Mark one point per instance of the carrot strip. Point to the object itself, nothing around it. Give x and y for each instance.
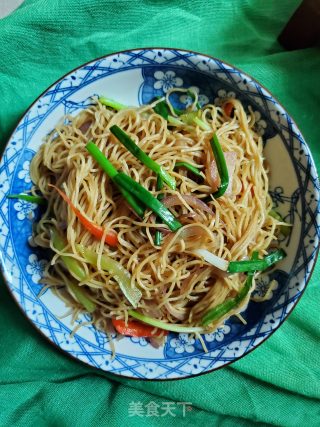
(228, 108)
(136, 329)
(97, 231)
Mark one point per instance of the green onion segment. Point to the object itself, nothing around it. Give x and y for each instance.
(221, 166)
(134, 149)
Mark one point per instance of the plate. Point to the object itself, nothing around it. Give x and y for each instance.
(135, 77)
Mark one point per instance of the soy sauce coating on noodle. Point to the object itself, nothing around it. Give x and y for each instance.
(176, 286)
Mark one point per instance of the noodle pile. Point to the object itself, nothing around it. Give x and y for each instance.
(177, 286)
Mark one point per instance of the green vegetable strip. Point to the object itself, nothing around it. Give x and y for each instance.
(111, 103)
(259, 265)
(189, 117)
(119, 273)
(146, 197)
(190, 167)
(177, 111)
(101, 159)
(174, 121)
(135, 189)
(158, 235)
(142, 156)
(202, 125)
(166, 326)
(73, 265)
(80, 295)
(28, 198)
(222, 309)
(111, 171)
(275, 215)
(159, 187)
(162, 109)
(221, 166)
(133, 202)
(192, 118)
(254, 257)
(284, 229)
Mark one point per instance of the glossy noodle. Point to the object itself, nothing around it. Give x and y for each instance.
(176, 285)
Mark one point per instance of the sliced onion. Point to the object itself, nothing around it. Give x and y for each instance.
(165, 231)
(212, 173)
(190, 216)
(85, 126)
(192, 201)
(195, 232)
(189, 233)
(212, 259)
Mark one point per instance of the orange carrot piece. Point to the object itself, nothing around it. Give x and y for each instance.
(228, 108)
(136, 329)
(97, 231)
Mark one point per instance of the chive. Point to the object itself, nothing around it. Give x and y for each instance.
(192, 168)
(101, 159)
(80, 295)
(142, 156)
(174, 121)
(186, 120)
(275, 215)
(221, 166)
(111, 103)
(111, 171)
(162, 109)
(72, 265)
(159, 185)
(222, 309)
(147, 198)
(166, 326)
(158, 234)
(185, 117)
(28, 198)
(254, 257)
(133, 202)
(260, 264)
(189, 117)
(158, 238)
(202, 124)
(284, 229)
(135, 189)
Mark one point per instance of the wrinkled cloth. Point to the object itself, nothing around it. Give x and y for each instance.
(276, 384)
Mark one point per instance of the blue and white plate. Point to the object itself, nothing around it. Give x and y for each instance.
(136, 77)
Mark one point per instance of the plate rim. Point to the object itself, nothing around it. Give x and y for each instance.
(316, 176)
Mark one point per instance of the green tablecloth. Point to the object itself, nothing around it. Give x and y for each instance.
(279, 383)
